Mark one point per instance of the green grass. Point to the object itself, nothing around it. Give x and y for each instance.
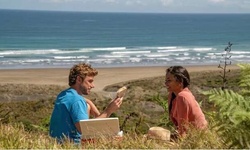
(25, 111)
(15, 137)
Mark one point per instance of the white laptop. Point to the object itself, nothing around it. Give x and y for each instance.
(101, 127)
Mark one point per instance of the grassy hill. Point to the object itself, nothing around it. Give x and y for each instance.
(25, 111)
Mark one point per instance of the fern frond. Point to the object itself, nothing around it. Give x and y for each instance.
(242, 116)
(245, 81)
(226, 100)
(232, 118)
(243, 66)
(244, 75)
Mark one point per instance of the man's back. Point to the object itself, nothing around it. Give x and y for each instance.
(69, 108)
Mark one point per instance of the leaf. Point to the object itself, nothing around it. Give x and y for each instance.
(232, 118)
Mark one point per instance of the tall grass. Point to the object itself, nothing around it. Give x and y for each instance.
(201, 139)
(31, 131)
(15, 137)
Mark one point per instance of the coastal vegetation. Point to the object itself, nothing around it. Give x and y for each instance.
(25, 111)
(224, 64)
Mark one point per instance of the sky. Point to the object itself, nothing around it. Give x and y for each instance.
(141, 6)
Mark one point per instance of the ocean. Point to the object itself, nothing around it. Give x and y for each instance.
(50, 39)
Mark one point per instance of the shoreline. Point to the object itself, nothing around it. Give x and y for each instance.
(105, 77)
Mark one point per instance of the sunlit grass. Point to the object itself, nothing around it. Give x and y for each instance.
(15, 137)
(24, 123)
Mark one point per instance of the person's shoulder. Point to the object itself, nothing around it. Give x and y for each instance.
(185, 93)
(71, 94)
(65, 90)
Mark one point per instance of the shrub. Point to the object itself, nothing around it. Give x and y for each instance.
(232, 117)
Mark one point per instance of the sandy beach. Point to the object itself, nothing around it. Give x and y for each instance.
(106, 76)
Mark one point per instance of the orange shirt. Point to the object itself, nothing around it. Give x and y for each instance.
(185, 109)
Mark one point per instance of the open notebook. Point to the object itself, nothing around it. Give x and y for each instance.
(101, 127)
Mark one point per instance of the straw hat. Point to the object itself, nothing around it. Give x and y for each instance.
(159, 133)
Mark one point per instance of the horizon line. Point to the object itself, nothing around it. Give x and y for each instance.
(123, 12)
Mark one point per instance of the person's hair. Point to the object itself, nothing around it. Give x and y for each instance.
(181, 74)
(82, 70)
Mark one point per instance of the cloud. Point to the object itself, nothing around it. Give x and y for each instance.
(57, 1)
(166, 2)
(216, 1)
(135, 2)
(111, 1)
(169, 6)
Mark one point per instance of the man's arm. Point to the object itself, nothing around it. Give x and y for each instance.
(112, 107)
